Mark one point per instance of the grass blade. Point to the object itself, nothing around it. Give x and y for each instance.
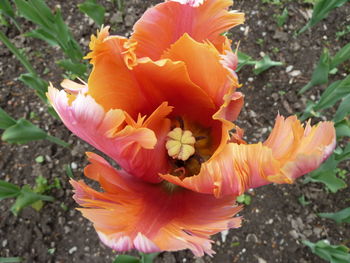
(320, 74)
(321, 11)
(336, 91)
(341, 56)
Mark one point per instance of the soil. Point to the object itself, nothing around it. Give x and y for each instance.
(274, 223)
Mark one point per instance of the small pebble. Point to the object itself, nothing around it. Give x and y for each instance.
(4, 243)
(289, 68)
(72, 250)
(74, 165)
(295, 73)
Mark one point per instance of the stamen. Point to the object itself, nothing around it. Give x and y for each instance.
(180, 144)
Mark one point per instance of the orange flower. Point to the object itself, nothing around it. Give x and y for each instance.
(162, 105)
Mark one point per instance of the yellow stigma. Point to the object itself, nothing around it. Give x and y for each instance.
(180, 144)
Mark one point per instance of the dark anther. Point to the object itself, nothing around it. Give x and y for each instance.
(198, 138)
(198, 158)
(181, 122)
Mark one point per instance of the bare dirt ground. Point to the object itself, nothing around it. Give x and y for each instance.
(274, 223)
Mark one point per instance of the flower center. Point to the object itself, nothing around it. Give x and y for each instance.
(180, 144)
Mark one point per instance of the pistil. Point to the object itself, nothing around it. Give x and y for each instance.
(180, 144)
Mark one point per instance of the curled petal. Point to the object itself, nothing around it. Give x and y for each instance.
(202, 20)
(115, 134)
(111, 83)
(204, 67)
(142, 85)
(73, 87)
(290, 152)
(166, 80)
(299, 149)
(133, 214)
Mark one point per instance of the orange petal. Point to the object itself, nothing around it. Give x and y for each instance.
(204, 67)
(132, 214)
(113, 133)
(165, 80)
(163, 24)
(290, 152)
(301, 150)
(142, 85)
(111, 83)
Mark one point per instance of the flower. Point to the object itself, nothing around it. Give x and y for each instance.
(162, 104)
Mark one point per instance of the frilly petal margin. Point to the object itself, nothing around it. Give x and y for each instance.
(290, 152)
(116, 134)
(162, 25)
(133, 214)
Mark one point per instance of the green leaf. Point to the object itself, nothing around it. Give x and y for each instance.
(343, 154)
(336, 91)
(76, 68)
(8, 190)
(10, 260)
(6, 120)
(264, 64)
(331, 253)
(341, 56)
(42, 34)
(6, 8)
(343, 109)
(39, 159)
(303, 201)
(34, 82)
(126, 259)
(326, 174)
(321, 10)
(22, 132)
(93, 10)
(243, 60)
(342, 128)
(26, 198)
(68, 170)
(36, 11)
(320, 73)
(244, 199)
(282, 19)
(343, 216)
(148, 258)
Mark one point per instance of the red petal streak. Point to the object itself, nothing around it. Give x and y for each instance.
(134, 214)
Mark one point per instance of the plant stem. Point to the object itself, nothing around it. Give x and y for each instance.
(57, 141)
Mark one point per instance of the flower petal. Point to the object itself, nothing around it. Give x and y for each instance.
(116, 134)
(111, 83)
(163, 24)
(151, 217)
(204, 67)
(141, 85)
(290, 152)
(165, 80)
